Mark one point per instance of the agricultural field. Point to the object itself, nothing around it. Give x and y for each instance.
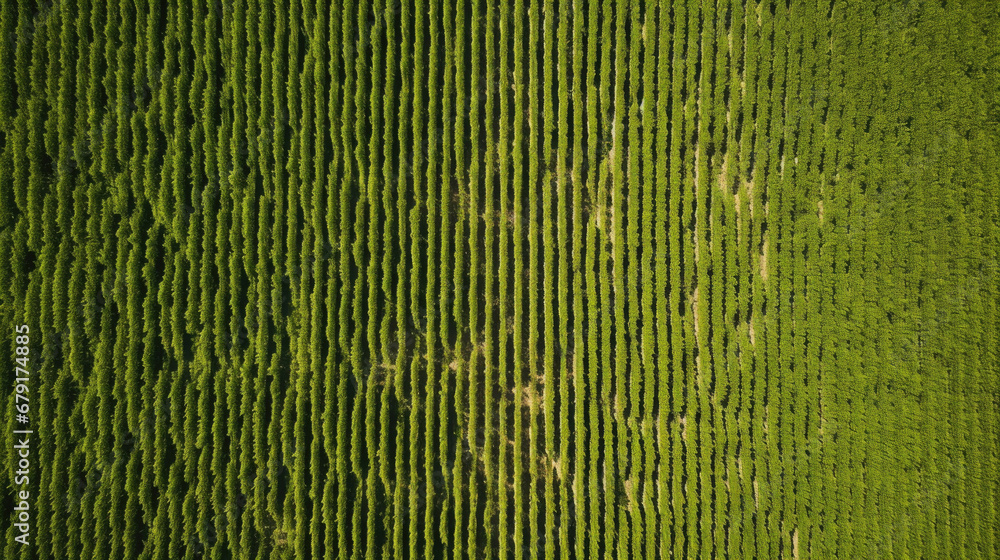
(537, 280)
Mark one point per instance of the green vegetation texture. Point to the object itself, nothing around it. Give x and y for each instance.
(536, 279)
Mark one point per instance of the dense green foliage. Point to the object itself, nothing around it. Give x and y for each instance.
(533, 279)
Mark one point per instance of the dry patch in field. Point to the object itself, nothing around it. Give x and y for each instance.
(763, 261)
(528, 397)
(695, 299)
(724, 177)
(749, 186)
